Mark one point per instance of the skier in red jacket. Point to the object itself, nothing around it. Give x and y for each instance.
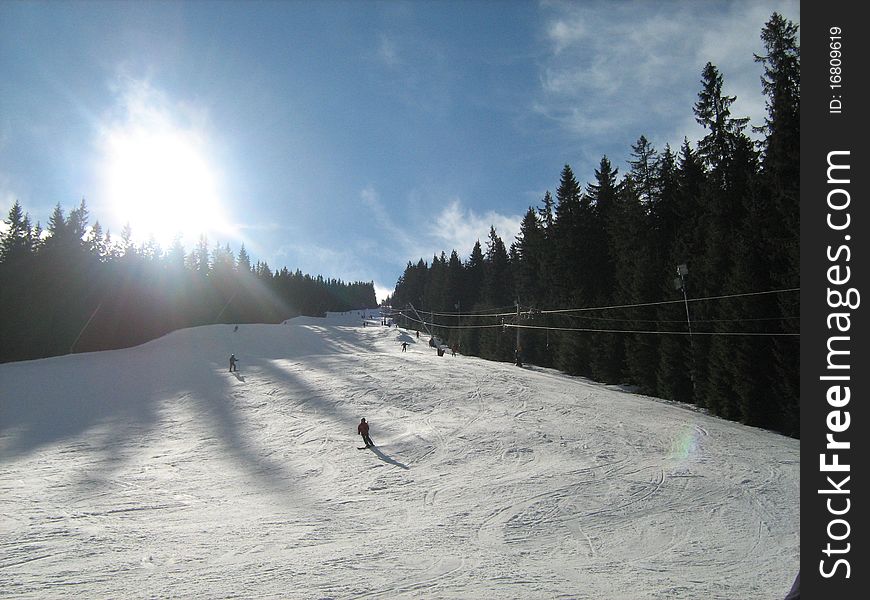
(363, 430)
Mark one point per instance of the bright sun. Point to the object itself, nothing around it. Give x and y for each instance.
(159, 180)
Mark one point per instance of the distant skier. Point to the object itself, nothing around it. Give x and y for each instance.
(233, 361)
(518, 355)
(404, 346)
(363, 430)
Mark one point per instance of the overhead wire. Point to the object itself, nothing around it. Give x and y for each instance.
(531, 312)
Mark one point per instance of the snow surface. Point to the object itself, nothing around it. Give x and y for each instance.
(153, 472)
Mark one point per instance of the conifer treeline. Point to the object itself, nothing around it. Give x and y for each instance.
(726, 208)
(72, 289)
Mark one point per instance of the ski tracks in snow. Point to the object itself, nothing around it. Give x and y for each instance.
(488, 481)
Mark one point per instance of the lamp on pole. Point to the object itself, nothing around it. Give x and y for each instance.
(680, 284)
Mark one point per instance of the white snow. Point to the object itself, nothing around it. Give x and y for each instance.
(153, 472)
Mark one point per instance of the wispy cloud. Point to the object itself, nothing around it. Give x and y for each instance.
(400, 239)
(7, 197)
(415, 69)
(613, 67)
(453, 226)
(457, 227)
(388, 51)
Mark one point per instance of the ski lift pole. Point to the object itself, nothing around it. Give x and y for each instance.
(421, 319)
(680, 282)
(518, 351)
(683, 270)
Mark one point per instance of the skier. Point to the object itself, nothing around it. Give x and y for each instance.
(518, 355)
(233, 361)
(404, 346)
(795, 592)
(363, 430)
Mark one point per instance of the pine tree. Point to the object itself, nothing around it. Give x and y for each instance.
(683, 359)
(128, 248)
(96, 242)
(57, 228)
(497, 288)
(713, 112)
(546, 211)
(547, 295)
(607, 352)
(568, 270)
(15, 242)
(638, 273)
(434, 292)
(474, 277)
(454, 281)
(733, 166)
(781, 180)
(529, 249)
(243, 263)
(77, 224)
(199, 258)
(174, 257)
(644, 170)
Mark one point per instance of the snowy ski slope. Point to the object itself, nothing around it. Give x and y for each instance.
(153, 472)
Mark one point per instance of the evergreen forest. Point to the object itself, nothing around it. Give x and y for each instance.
(72, 288)
(679, 277)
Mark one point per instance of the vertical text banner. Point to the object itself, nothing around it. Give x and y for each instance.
(834, 261)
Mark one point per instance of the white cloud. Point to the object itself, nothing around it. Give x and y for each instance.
(632, 68)
(451, 226)
(382, 292)
(458, 228)
(388, 51)
(564, 34)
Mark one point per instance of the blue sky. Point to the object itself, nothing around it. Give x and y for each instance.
(347, 138)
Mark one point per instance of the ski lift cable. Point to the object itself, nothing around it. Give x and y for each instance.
(591, 330)
(533, 311)
(731, 333)
(567, 310)
(632, 320)
(433, 324)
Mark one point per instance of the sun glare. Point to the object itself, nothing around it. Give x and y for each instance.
(159, 180)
